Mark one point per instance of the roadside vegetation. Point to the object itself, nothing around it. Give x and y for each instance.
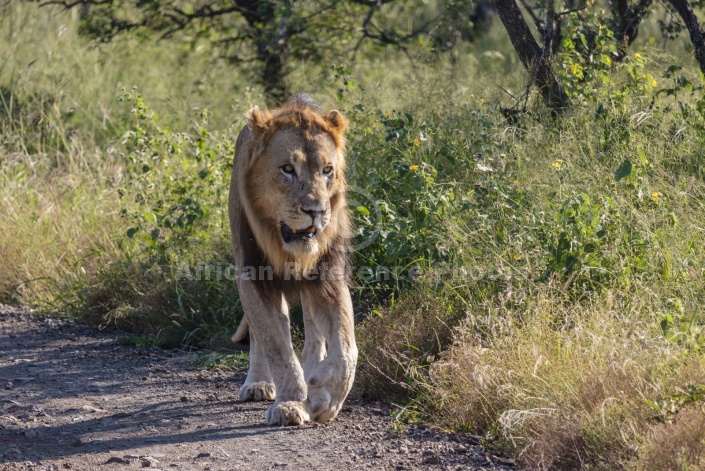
(531, 278)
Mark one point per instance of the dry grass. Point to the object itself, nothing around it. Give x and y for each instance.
(561, 385)
(56, 225)
(399, 342)
(676, 446)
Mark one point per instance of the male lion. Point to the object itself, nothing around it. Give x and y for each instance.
(290, 225)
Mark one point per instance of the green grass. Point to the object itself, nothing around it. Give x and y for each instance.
(557, 312)
(233, 361)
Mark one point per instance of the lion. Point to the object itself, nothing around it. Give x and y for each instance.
(291, 229)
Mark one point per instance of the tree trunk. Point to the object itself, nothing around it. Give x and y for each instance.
(628, 23)
(696, 32)
(532, 56)
(271, 43)
(273, 73)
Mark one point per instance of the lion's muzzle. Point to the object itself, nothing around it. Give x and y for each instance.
(290, 235)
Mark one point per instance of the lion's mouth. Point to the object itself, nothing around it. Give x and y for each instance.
(290, 235)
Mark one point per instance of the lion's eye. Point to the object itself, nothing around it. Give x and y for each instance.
(288, 169)
(327, 169)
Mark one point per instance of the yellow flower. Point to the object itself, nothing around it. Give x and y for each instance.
(417, 142)
(654, 83)
(414, 167)
(517, 256)
(558, 164)
(482, 100)
(637, 56)
(576, 69)
(655, 195)
(516, 182)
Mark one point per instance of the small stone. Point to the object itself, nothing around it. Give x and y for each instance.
(13, 454)
(31, 433)
(460, 449)
(184, 399)
(148, 461)
(203, 455)
(507, 461)
(118, 460)
(431, 457)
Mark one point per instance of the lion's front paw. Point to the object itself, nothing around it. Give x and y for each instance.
(321, 406)
(259, 391)
(287, 413)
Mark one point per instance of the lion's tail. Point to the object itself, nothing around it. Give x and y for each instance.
(240, 332)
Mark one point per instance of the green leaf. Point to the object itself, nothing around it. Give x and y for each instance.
(151, 217)
(362, 210)
(624, 170)
(653, 405)
(642, 156)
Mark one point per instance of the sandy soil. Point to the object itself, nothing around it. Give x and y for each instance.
(71, 398)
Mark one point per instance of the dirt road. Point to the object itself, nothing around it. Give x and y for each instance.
(72, 399)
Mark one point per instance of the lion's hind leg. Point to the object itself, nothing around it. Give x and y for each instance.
(259, 385)
(315, 349)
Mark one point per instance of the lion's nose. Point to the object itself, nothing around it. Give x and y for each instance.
(314, 213)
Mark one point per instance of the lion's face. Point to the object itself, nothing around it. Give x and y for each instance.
(291, 178)
(302, 180)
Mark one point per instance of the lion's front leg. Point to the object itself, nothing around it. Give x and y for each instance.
(330, 364)
(269, 325)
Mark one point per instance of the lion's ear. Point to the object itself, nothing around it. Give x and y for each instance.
(259, 120)
(259, 124)
(336, 121)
